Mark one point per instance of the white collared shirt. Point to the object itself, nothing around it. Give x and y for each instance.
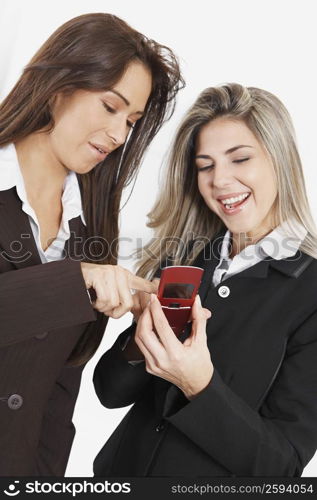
(282, 242)
(11, 176)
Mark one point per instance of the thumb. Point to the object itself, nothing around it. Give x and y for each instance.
(200, 316)
(198, 310)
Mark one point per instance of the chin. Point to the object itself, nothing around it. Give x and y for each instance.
(240, 228)
(84, 169)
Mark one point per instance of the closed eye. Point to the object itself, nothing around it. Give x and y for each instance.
(108, 108)
(113, 111)
(205, 169)
(241, 160)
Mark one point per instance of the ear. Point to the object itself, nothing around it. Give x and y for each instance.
(57, 102)
(54, 102)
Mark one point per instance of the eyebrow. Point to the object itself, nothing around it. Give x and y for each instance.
(125, 100)
(231, 150)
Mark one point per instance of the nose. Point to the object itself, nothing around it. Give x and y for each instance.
(117, 131)
(222, 175)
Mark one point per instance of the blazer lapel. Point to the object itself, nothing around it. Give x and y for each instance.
(16, 237)
(74, 246)
(292, 266)
(17, 244)
(209, 258)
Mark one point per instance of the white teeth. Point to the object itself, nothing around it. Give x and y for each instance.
(229, 201)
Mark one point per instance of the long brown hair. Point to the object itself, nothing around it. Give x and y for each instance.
(92, 52)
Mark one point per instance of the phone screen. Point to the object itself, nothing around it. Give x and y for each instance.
(178, 290)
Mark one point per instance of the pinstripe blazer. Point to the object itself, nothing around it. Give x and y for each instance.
(44, 311)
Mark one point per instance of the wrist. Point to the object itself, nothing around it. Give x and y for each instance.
(194, 389)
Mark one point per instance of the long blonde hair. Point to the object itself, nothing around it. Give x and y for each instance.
(180, 213)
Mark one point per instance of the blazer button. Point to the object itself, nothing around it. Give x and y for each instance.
(41, 336)
(15, 401)
(224, 291)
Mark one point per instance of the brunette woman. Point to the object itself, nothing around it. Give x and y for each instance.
(73, 132)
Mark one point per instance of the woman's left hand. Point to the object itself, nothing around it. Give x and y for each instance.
(186, 365)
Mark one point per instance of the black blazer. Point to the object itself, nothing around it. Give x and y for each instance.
(44, 311)
(258, 415)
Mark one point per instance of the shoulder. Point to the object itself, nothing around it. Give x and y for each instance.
(311, 268)
(301, 291)
(298, 266)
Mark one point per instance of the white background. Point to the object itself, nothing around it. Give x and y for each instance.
(269, 44)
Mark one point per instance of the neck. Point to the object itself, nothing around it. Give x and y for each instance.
(43, 174)
(239, 241)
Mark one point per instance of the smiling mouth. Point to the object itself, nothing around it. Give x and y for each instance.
(230, 203)
(99, 149)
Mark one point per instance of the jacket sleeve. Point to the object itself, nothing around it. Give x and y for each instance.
(42, 297)
(117, 382)
(277, 440)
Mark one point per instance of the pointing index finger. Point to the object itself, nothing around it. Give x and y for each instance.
(141, 284)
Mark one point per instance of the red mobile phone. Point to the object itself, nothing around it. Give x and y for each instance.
(177, 291)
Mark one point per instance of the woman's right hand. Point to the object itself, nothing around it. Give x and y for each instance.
(112, 285)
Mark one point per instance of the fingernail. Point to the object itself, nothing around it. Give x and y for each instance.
(153, 297)
(198, 299)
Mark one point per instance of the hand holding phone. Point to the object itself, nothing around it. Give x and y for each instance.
(177, 291)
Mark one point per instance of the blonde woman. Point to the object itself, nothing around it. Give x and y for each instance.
(238, 396)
